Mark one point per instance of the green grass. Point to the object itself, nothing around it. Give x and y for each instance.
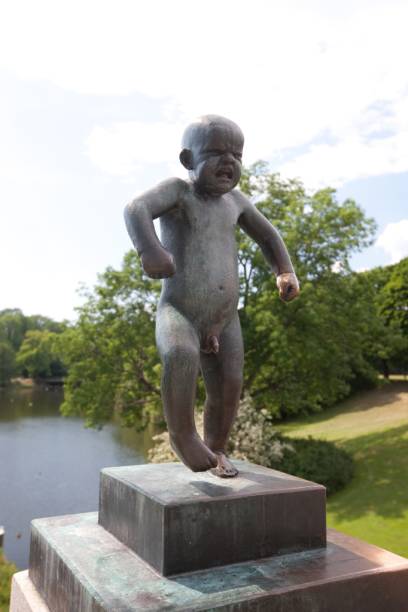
(373, 427)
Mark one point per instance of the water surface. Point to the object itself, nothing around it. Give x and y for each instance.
(49, 465)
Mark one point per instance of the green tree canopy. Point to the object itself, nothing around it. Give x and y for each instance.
(305, 355)
(390, 296)
(13, 326)
(7, 362)
(394, 297)
(110, 353)
(38, 355)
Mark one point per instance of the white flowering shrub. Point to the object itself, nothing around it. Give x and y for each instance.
(253, 438)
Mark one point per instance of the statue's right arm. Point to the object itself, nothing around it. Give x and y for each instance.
(139, 216)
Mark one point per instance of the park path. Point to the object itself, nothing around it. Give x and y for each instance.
(364, 413)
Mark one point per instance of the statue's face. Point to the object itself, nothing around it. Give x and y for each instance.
(216, 160)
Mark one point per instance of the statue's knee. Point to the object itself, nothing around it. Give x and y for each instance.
(181, 354)
(235, 381)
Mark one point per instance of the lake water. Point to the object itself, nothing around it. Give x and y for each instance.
(49, 465)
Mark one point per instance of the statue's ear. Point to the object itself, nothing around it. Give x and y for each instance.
(186, 158)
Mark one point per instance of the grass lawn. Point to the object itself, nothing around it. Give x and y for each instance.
(373, 426)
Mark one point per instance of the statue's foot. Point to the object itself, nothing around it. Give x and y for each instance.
(224, 469)
(193, 452)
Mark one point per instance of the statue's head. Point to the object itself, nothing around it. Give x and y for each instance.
(212, 153)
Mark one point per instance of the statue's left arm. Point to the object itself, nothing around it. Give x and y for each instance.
(273, 248)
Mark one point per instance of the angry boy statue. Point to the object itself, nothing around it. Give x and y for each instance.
(197, 325)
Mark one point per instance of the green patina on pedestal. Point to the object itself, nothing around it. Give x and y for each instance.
(178, 521)
(82, 567)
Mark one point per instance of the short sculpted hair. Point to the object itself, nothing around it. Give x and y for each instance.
(203, 124)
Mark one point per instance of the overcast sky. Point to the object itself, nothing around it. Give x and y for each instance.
(94, 97)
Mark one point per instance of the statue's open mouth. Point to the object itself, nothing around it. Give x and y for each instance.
(226, 173)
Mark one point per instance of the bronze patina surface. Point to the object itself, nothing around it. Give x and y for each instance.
(197, 325)
(178, 521)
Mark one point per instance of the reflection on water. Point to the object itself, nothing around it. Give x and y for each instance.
(50, 465)
(21, 402)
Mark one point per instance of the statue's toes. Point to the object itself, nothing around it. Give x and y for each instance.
(224, 469)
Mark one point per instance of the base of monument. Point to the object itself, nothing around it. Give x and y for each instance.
(24, 595)
(86, 568)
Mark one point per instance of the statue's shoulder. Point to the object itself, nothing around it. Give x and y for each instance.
(175, 190)
(175, 184)
(240, 199)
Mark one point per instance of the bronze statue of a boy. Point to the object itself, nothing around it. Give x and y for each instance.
(197, 325)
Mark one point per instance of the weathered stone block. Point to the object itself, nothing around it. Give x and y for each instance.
(77, 566)
(24, 595)
(179, 521)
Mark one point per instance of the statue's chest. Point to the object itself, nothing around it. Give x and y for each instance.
(215, 218)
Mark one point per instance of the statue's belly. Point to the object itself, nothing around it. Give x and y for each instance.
(206, 292)
(205, 287)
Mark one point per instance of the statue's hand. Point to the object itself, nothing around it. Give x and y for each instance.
(158, 263)
(288, 286)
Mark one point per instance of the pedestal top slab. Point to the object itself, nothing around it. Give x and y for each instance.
(173, 483)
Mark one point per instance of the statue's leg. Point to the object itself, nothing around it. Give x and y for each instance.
(179, 349)
(222, 374)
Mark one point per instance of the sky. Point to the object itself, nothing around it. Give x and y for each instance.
(94, 97)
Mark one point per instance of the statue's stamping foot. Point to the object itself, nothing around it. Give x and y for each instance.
(224, 469)
(193, 452)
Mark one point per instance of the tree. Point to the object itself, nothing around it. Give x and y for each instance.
(13, 326)
(300, 357)
(38, 355)
(390, 296)
(110, 353)
(303, 356)
(7, 362)
(394, 298)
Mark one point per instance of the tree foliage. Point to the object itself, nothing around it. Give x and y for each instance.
(110, 353)
(394, 297)
(13, 326)
(389, 294)
(38, 356)
(26, 346)
(7, 362)
(303, 356)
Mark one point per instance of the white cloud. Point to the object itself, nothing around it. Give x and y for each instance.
(350, 158)
(286, 71)
(394, 240)
(122, 148)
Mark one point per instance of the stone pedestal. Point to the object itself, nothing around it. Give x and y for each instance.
(180, 522)
(87, 562)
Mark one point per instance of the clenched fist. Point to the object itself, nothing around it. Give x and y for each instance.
(288, 286)
(158, 263)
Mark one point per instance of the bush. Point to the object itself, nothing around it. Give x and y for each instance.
(255, 439)
(319, 461)
(252, 438)
(6, 572)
